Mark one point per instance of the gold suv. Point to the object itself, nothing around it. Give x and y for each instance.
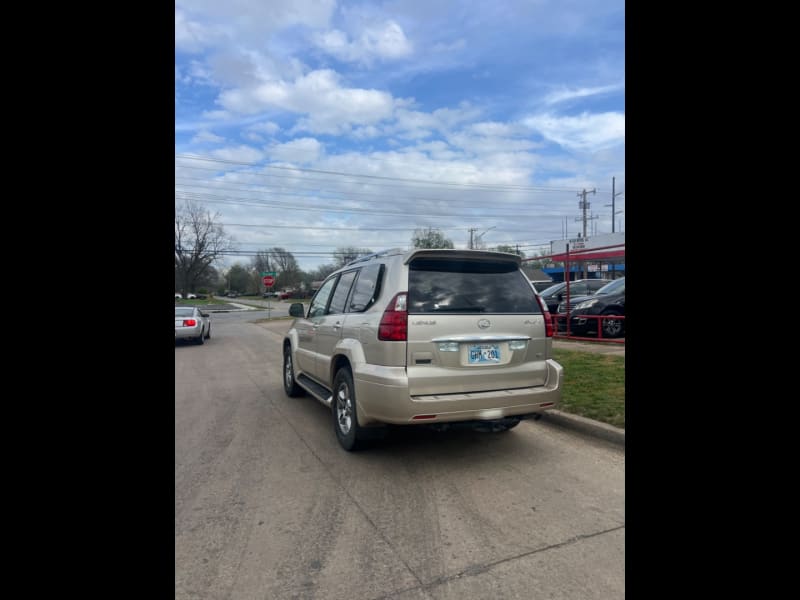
(424, 337)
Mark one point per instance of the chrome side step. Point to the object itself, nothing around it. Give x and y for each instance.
(320, 392)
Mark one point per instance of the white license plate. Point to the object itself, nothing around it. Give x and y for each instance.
(484, 353)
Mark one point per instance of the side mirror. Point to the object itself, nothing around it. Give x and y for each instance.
(560, 296)
(202, 314)
(296, 310)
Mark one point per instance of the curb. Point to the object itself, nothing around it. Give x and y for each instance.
(587, 426)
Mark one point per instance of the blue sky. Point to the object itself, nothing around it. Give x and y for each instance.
(318, 124)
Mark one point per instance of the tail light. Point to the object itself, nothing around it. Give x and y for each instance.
(548, 319)
(394, 322)
(189, 322)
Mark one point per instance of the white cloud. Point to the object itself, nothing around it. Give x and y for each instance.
(252, 136)
(251, 21)
(492, 128)
(563, 94)
(584, 132)
(206, 136)
(330, 108)
(246, 154)
(218, 115)
(300, 150)
(385, 41)
(191, 36)
(267, 127)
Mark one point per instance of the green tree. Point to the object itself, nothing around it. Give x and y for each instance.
(430, 238)
(239, 278)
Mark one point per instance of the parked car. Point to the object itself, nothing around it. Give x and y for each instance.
(557, 293)
(191, 323)
(270, 294)
(233, 294)
(284, 295)
(540, 286)
(191, 296)
(423, 337)
(178, 297)
(608, 301)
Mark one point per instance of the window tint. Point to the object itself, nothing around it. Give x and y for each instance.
(463, 286)
(367, 287)
(341, 292)
(184, 312)
(320, 300)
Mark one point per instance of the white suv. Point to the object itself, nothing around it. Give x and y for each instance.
(424, 337)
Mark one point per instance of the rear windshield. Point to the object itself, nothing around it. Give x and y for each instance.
(184, 312)
(464, 286)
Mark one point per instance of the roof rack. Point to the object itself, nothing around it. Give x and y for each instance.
(375, 255)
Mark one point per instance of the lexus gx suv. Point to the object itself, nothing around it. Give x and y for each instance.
(424, 337)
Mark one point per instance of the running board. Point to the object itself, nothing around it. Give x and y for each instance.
(320, 392)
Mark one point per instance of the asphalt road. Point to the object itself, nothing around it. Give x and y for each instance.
(267, 505)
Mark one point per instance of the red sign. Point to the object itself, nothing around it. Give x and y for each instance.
(269, 280)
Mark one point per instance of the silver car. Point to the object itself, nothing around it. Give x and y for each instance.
(424, 337)
(192, 324)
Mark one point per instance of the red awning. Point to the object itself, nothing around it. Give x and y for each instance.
(584, 256)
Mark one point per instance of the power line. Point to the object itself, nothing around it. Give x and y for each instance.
(380, 177)
(366, 211)
(248, 187)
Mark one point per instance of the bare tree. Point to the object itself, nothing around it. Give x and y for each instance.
(430, 238)
(262, 263)
(286, 265)
(511, 250)
(344, 255)
(199, 242)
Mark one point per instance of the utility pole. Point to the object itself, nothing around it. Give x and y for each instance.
(613, 202)
(477, 237)
(585, 205)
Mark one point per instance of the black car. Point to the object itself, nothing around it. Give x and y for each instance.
(608, 301)
(557, 293)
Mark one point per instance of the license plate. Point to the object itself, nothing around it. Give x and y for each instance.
(484, 353)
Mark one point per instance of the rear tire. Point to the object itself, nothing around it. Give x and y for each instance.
(208, 335)
(289, 383)
(345, 416)
(201, 339)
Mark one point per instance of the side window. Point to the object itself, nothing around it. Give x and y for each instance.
(320, 301)
(367, 288)
(341, 292)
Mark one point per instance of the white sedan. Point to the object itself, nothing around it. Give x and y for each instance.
(192, 324)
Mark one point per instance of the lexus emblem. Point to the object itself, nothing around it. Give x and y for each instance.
(484, 323)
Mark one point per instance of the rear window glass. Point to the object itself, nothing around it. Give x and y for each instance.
(184, 312)
(463, 286)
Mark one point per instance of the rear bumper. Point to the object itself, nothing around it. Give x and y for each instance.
(182, 333)
(382, 396)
